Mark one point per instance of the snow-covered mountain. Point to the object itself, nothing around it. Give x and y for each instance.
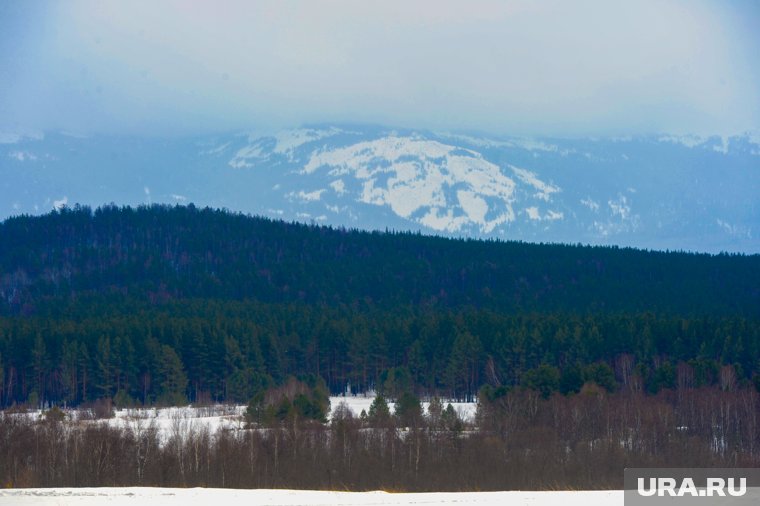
(660, 192)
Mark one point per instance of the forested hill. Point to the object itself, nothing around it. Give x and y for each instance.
(169, 304)
(161, 253)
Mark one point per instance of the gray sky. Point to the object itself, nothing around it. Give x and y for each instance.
(551, 67)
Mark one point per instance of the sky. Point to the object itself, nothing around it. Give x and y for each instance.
(551, 67)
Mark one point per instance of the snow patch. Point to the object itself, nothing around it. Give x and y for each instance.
(216, 150)
(411, 174)
(690, 141)
(520, 142)
(474, 206)
(358, 403)
(242, 158)
(158, 496)
(306, 197)
(443, 219)
(544, 189)
(620, 207)
(722, 147)
(591, 204)
(283, 143)
(288, 140)
(339, 186)
(535, 215)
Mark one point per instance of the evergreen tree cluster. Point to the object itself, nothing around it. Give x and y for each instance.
(167, 305)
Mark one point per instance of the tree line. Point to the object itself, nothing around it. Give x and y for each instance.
(520, 439)
(162, 253)
(166, 305)
(228, 351)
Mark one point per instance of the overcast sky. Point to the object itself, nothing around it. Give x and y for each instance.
(511, 67)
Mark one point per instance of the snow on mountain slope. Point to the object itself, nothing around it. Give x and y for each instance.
(440, 186)
(443, 187)
(660, 192)
(282, 143)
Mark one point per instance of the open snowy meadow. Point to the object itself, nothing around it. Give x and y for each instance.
(203, 496)
(180, 420)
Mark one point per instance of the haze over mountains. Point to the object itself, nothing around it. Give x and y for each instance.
(657, 192)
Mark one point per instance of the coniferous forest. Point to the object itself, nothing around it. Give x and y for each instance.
(163, 305)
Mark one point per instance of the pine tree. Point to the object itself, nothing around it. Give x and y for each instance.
(172, 378)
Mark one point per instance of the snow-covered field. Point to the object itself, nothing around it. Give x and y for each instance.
(357, 403)
(203, 496)
(180, 420)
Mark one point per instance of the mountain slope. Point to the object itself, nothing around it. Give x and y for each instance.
(661, 192)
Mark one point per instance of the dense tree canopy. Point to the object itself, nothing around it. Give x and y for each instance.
(167, 304)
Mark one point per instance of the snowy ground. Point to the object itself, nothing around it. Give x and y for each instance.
(203, 496)
(357, 403)
(179, 420)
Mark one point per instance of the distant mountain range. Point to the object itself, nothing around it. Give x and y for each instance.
(656, 192)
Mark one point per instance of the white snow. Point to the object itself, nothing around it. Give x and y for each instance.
(443, 219)
(544, 189)
(339, 186)
(216, 150)
(285, 143)
(723, 146)
(242, 157)
(534, 145)
(57, 204)
(130, 496)
(357, 403)
(410, 174)
(620, 207)
(289, 140)
(474, 206)
(306, 196)
(179, 420)
(690, 141)
(535, 215)
(591, 204)
(525, 143)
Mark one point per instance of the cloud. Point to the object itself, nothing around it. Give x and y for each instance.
(520, 67)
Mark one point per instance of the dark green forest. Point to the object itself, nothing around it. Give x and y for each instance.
(167, 305)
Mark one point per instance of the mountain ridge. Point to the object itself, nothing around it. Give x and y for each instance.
(655, 192)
